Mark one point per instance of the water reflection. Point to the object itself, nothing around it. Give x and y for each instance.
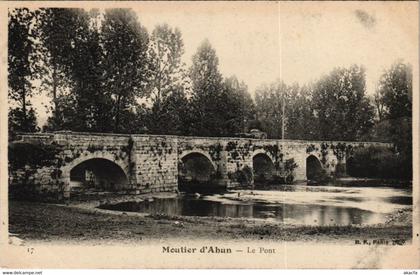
(288, 213)
(301, 205)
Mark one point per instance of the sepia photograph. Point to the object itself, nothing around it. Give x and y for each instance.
(238, 134)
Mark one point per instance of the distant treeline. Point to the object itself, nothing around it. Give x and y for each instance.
(104, 72)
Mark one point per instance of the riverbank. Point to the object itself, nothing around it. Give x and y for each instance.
(80, 222)
(365, 182)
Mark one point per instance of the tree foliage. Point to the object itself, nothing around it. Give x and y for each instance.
(340, 105)
(73, 70)
(168, 81)
(299, 121)
(394, 94)
(269, 100)
(237, 107)
(21, 69)
(125, 43)
(219, 107)
(105, 73)
(206, 92)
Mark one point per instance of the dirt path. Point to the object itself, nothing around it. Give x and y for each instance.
(33, 221)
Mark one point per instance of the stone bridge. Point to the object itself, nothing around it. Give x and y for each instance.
(137, 164)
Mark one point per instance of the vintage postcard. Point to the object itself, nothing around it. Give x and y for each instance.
(209, 134)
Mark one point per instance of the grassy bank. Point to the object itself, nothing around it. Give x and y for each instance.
(49, 222)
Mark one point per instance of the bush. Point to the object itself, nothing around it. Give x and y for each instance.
(32, 154)
(243, 176)
(376, 162)
(340, 170)
(321, 177)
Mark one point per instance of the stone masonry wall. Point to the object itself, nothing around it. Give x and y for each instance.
(233, 157)
(151, 162)
(154, 164)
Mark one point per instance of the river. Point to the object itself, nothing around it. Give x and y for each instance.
(300, 205)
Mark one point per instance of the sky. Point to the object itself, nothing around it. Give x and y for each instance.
(260, 42)
(294, 41)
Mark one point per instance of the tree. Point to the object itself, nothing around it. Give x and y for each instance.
(125, 44)
(301, 122)
(341, 106)
(20, 122)
(298, 119)
(174, 114)
(94, 101)
(269, 100)
(73, 70)
(395, 94)
(236, 106)
(59, 28)
(167, 82)
(206, 92)
(21, 48)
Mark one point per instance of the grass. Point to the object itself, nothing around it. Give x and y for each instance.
(49, 222)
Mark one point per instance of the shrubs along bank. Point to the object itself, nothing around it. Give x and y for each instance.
(370, 166)
(374, 162)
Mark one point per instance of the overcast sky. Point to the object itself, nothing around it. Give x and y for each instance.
(296, 42)
(260, 42)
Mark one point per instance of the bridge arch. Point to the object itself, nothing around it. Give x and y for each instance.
(197, 152)
(98, 170)
(196, 172)
(263, 166)
(313, 167)
(264, 152)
